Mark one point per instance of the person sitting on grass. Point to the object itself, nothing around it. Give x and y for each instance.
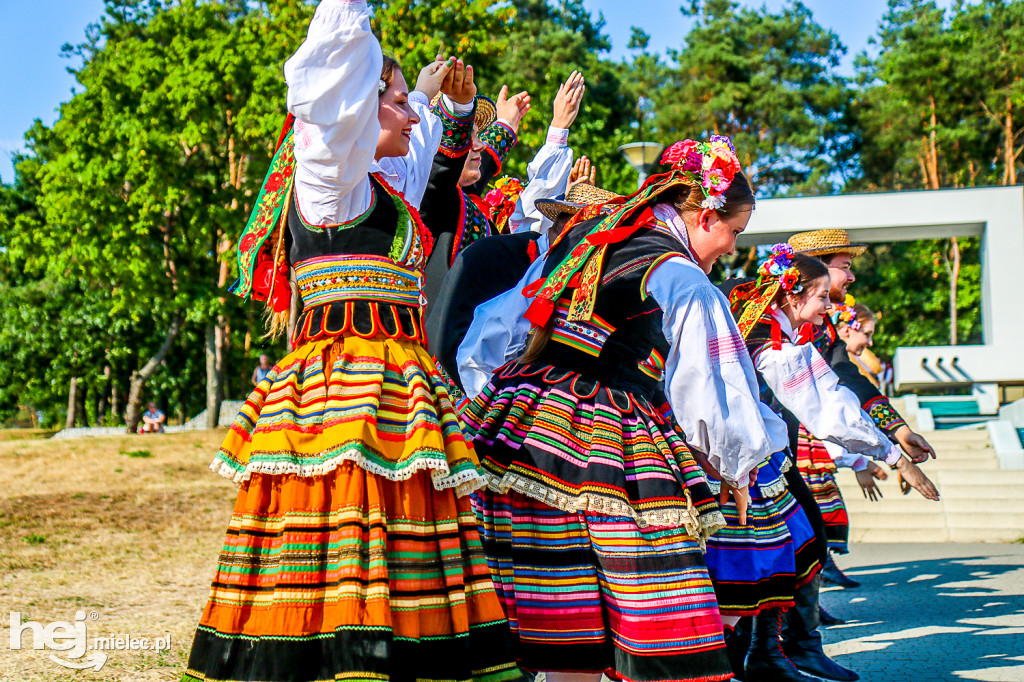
(153, 420)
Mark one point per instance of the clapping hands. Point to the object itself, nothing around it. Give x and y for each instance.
(568, 100)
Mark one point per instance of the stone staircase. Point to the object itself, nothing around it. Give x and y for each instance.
(979, 501)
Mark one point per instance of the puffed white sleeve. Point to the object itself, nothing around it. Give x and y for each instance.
(806, 386)
(497, 334)
(845, 459)
(709, 377)
(547, 177)
(332, 92)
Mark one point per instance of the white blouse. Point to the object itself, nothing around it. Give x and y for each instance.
(709, 377)
(806, 386)
(547, 175)
(332, 91)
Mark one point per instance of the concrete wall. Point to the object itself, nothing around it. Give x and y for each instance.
(994, 213)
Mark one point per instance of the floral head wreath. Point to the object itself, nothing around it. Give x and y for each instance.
(752, 299)
(844, 313)
(502, 200)
(710, 165)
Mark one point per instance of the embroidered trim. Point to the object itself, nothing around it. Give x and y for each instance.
(457, 135)
(661, 259)
(304, 331)
(588, 337)
(266, 212)
(653, 366)
(498, 141)
(330, 279)
(884, 414)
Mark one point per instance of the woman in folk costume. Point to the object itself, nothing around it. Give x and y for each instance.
(818, 461)
(596, 510)
(352, 552)
(775, 313)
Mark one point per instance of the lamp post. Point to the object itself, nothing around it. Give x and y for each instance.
(642, 156)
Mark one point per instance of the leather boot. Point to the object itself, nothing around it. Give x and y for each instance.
(765, 660)
(802, 641)
(827, 618)
(737, 641)
(831, 575)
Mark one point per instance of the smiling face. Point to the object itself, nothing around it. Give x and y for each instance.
(713, 235)
(841, 276)
(857, 340)
(396, 119)
(471, 171)
(811, 304)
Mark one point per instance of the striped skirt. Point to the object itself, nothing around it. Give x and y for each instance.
(593, 521)
(818, 471)
(760, 565)
(353, 551)
(586, 592)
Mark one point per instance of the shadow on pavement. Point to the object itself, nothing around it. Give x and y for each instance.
(938, 619)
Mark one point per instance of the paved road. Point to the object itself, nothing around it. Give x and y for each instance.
(931, 612)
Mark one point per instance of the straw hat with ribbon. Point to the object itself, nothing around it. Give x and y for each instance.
(577, 198)
(825, 243)
(751, 299)
(711, 166)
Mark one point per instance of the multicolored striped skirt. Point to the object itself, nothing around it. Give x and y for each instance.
(819, 472)
(760, 565)
(353, 552)
(593, 522)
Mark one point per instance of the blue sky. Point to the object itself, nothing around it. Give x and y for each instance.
(34, 78)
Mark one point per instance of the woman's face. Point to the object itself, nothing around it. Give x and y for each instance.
(713, 235)
(396, 119)
(812, 304)
(858, 339)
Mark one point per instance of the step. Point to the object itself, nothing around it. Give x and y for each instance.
(887, 535)
(985, 535)
(978, 477)
(971, 505)
(993, 492)
(990, 520)
(882, 520)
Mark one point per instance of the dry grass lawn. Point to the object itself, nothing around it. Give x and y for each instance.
(94, 525)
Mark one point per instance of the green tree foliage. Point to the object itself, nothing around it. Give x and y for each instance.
(117, 237)
(769, 81)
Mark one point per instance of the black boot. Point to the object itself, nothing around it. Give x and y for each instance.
(737, 641)
(765, 660)
(833, 576)
(827, 618)
(803, 641)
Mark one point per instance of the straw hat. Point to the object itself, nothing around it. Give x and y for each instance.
(486, 111)
(825, 242)
(579, 196)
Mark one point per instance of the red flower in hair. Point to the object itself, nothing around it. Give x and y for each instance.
(678, 151)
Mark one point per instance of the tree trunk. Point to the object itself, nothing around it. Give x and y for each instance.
(108, 387)
(69, 423)
(954, 277)
(115, 402)
(139, 378)
(933, 150)
(213, 375)
(1010, 173)
(82, 414)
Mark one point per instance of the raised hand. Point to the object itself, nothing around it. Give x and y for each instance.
(582, 173)
(433, 75)
(512, 109)
(459, 86)
(568, 100)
